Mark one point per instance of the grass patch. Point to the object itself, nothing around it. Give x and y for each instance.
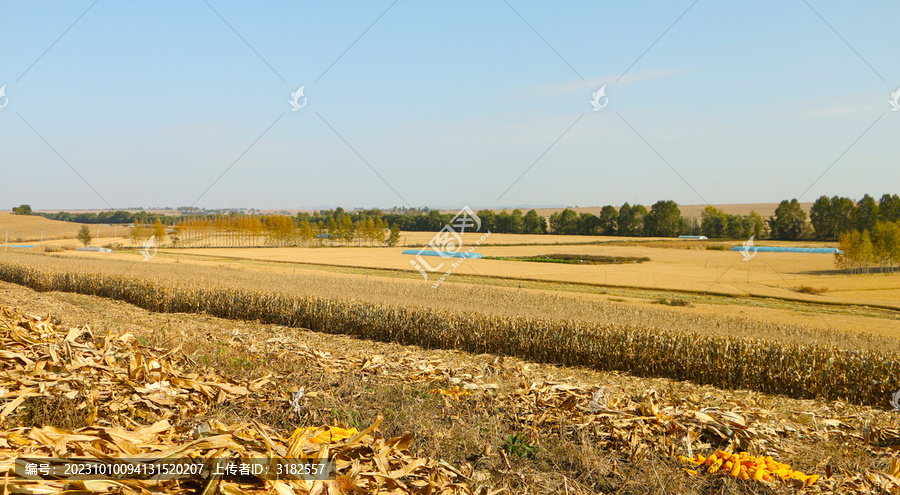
(573, 259)
(517, 445)
(674, 302)
(716, 248)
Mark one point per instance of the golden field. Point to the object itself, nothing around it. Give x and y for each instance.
(692, 270)
(27, 228)
(717, 282)
(24, 228)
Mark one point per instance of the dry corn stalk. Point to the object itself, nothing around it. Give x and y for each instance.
(123, 384)
(865, 377)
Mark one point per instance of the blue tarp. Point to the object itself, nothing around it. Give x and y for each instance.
(22, 246)
(776, 249)
(442, 254)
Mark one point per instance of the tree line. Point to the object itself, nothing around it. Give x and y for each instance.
(118, 216)
(867, 251)
(662, 220)
(268, 231)
(831, 217)
(828, 219)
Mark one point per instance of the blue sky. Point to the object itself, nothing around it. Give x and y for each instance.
(445, 103)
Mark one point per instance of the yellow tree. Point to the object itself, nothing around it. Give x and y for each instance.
(137, 233)
(305, 232)
(370, 230)
(348, 230)
(378, 234)
(159, 231)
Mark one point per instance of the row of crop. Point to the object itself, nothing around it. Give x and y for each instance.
(796, 370)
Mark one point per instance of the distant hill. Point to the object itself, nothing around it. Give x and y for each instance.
(28, 228)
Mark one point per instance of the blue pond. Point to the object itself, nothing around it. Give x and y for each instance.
(776, 249)
(22, 245)
(442, 254)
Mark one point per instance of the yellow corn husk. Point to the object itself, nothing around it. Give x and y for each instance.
(332, 434)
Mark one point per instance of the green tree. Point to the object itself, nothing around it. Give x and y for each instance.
(866, 213)
(565, 222)
(820, 215)
(609, 219)
(888, 208)
(664, 219)
(631, 220)
(624, 220)
(395, 236)
(756, 224)
(713, 222)
(488, 220)
(588, 224)
(516, 222)
(734, 227)
(504, 223)
(84, 235)
(639, 213)
(532, 223)
(22, 210)
(843, 215)
(788, 221)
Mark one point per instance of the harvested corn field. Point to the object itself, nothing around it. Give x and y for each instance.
(589, 432)
(140, 405)
(866, 377)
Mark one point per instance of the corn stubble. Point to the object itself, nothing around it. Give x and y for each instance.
(807, 371)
